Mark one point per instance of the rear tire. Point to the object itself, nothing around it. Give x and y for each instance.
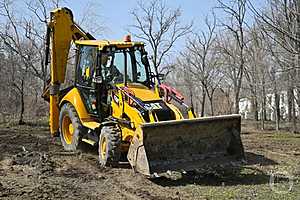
(109, 146)
(70, 127)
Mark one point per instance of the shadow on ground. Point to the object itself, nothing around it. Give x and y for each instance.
(212, 179)
(257, 159)
(237, 175)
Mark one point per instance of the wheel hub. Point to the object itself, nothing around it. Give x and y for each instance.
(103, 148)
(67, 129)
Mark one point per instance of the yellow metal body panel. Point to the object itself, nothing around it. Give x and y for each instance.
(74, 98)
(122, 108)
(106, 43)
(54, 115)
(134, 116)
(144, 93)
(91, 124)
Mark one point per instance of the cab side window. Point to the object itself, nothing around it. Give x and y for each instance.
(86, 65)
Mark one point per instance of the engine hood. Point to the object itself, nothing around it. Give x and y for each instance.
(142, 92)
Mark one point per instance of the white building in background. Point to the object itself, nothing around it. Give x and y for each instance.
(246, 107)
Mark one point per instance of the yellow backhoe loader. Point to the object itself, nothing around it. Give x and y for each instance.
(120, 106)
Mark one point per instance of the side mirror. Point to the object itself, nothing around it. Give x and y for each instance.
(145, 60)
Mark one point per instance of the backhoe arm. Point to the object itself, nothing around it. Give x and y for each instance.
(61, 31)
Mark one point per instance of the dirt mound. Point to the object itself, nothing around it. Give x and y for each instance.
(37, 160)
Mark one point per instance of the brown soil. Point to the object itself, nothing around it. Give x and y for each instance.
(33, 166)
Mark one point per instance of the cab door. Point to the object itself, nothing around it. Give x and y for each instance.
(85, 72)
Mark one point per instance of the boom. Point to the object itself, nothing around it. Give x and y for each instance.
(61, 31)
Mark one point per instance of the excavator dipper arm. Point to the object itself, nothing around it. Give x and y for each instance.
(61, 31)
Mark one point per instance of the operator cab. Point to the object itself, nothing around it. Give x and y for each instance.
(103, 65)
(112, 62)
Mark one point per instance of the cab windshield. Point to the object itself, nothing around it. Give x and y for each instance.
(124, 61)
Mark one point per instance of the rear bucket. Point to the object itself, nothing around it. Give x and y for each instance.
(187, 144)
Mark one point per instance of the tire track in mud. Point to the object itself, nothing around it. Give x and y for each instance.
(123, 181)
(135, 186)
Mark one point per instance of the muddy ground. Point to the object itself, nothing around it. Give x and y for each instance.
(33, 166)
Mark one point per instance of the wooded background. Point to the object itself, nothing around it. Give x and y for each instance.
(248, 53)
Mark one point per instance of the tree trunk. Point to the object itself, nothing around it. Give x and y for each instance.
(211, 106)
(293, 110)
(263, 106)
(191, 97)
(196, 108)
(277, 110)
(210, 98)
(236, 101)
(294, 123)
(203, 103)
(289, 96)
(291, 102)
(262, 114)
(229, 104)
(21, 120)
(254, 108)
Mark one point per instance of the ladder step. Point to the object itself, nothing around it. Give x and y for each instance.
(91, 142)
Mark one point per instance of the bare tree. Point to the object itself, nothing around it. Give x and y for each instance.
(236, 11)
(281, 23)
(30, 31)
(205, 62)
(159, 26)
(260, 76)
(91, 19)
(11, 36)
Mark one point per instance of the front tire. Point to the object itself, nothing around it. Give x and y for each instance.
(70, 127)
(109, 146)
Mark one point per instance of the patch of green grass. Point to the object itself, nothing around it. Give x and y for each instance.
(244, 189)
(286, 137)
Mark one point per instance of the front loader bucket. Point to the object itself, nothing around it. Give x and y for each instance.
(186, 144)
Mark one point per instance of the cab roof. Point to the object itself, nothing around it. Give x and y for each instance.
(107, 43)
